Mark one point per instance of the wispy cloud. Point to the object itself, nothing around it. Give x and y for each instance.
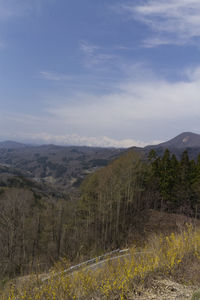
(134, 113)
(55, 76)
(123, 48)
(88, 48)
(8, 9)
(19, 8)
(135, 107)
(14, 8)
(50, 76)
(95, 55)
(158, 41)
(178, 20)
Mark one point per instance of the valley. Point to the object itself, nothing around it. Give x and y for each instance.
(57, 168)
(60, 206)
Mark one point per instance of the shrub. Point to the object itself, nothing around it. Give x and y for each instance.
(196, 295)
(115, 279)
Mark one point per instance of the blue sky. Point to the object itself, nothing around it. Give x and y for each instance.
(99, 73)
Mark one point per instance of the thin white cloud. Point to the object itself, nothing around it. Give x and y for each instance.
(88, 48)
(11, 9)
(7, 9)
(19, 8)
(177, 20)
(95, 55)
(55, 76)
(50, 76)
(135, 113)
(14, 8)
(123, 48)
(158, 41)
(135, 104)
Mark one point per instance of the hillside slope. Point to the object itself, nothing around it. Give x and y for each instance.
(185, 141)
(156, 271)
(181, 141)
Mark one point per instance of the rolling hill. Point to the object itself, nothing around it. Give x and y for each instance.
(64, 167)
(12, 145)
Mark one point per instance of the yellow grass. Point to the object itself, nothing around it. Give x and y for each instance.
(115, 279)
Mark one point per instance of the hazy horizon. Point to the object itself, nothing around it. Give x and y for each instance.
(110, 73)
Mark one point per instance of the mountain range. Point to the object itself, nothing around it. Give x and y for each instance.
(181, 141)
(62, 168)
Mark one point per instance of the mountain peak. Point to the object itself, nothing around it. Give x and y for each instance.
(183, 140)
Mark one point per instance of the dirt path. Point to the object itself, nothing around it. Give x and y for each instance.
(166, 290)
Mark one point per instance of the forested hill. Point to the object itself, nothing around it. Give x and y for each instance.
(12, 145)
(116, 198)
(63, 168)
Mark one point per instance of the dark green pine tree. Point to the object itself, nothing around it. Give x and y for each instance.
(152, 155)
(195, 183)
(154, 180)
(193, 171)
(175, 182)
(185, 192)
(155, 164)
(198, 168)
(185, 168)
(165, 178)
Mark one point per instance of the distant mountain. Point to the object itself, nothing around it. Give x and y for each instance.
(182, 141)
(63, 168)
(12, 145)
(185, 141)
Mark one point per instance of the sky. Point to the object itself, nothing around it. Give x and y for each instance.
(103, 73)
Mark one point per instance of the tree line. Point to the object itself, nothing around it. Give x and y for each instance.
(175, 183)
(116, 198)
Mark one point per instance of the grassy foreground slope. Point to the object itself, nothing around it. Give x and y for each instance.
(164, 256)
